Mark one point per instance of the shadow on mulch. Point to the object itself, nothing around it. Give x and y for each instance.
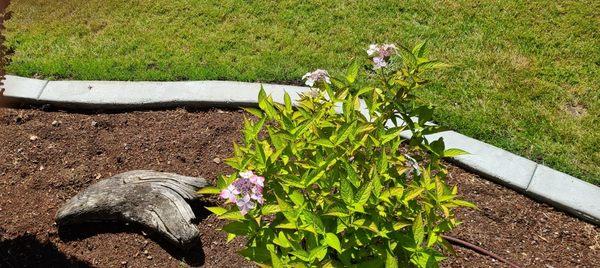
(94, 110)
(28, 251)
(193, 256)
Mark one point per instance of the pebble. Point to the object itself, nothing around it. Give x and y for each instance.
(217, 160)
(94, 123)
(33, 137)
(55, 123)
(149, 257)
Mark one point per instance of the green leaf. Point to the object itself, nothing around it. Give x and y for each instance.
(400, 224)
(420, 49)
(287, 225)
(270, 209)
(209, 190)
(463, 203)
(262, 95)
(333, 241)
(282, 240)
(345, 132)
(230, 237)
(297, 198)
(337, 211)
(257, 254)
(431, 65)
(217, 210)
(352, 176)
(288, 102)
(318, 253)
(275, 261)
(364, 193)
(313, 220)
(437, 147)
(390, 260)
(394, 191)
(352, 72)
(425, 114)
(408, 57)
(324, 142)
(413, 194)
(237, 228)
(418, 230)
(346, 191)
(233, 215)
(392, 133)
(453, 152)
(301, 254)
(290, 214)
(256, 112)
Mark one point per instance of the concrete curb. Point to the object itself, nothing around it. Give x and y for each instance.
(580, 198)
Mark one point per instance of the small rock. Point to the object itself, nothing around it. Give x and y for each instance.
(149, 257)
(217, 160)
(123, 263)
(33, 137)
(94, 123)
(145, 252)
(55, 123)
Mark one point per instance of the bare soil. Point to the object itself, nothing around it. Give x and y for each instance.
(46, 157)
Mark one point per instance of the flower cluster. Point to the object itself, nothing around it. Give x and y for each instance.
(316, 76)
(244, 191)
(380, 54)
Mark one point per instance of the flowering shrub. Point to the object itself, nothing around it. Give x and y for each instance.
(341, 188)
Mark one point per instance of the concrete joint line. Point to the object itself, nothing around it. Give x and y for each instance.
(531, 178)
(42, 90)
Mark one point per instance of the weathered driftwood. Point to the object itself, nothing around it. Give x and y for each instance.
(156, 200)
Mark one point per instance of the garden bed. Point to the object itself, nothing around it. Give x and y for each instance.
(46, 157)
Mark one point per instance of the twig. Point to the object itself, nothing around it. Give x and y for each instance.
(467, 245)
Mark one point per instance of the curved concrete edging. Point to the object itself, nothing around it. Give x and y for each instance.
(523, 175)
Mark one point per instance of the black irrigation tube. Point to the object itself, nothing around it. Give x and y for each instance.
(461, 243)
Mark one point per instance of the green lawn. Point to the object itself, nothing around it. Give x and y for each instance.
(526, 75)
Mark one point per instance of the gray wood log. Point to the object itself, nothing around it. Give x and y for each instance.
(156, 200)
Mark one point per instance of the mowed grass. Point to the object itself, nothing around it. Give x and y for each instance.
(526, 74)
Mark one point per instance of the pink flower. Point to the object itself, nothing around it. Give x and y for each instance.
(379, 62)
(245, 191)
(380, 54)
(258, 197)
(245, 204)
(230, 193)
(316, 76)
(387, 50)
(258, 180)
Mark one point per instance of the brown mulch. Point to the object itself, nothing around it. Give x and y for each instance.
(46, 157)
